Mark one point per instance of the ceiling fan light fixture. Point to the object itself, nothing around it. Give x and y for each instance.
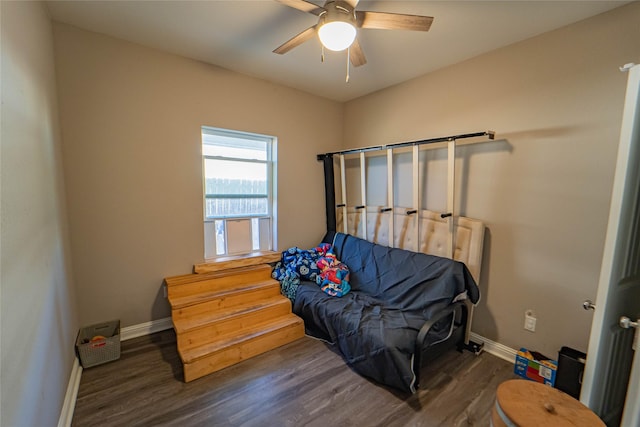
(337, 35)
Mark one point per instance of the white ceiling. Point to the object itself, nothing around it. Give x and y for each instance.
(240, 35)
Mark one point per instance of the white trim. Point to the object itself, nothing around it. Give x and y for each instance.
(69, 404)
(146, 328)
(495, 348)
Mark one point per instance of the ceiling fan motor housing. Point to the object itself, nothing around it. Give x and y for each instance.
(338, 11)
(337, 25)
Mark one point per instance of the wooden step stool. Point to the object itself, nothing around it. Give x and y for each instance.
(228, 311)
(526, 403)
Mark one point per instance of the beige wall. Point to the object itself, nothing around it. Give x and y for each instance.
(38, 313)
(543, 187)
(131, 119)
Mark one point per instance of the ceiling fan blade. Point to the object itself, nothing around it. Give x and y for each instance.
(356, 55)
(303, 5)
(393, 21)
(296, 40)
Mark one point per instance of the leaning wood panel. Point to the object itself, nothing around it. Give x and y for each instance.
(451, 185)
(363, 193)
(416, 198)
(390, 197)
(343, 183)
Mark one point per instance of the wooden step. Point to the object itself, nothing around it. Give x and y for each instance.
(206, 327)
(235, 261)
(191, 284)
(212, 357)
(198, 321)
(194, 305)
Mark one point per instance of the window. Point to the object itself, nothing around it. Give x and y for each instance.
(238, 192)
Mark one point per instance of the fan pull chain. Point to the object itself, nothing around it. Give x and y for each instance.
(348, 55)
(322, 53)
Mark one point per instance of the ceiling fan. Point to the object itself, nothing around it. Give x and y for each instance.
(337, 23)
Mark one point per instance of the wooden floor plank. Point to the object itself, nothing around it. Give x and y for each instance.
(303, 383)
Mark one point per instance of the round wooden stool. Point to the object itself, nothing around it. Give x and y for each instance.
(525, 403)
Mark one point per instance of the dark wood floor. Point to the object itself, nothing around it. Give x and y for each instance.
(302, 384)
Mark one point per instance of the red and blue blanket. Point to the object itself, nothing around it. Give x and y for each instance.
(319, 265)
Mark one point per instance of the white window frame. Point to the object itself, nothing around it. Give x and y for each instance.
(211, 247)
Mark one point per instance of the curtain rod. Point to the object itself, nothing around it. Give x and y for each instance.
(491, 134)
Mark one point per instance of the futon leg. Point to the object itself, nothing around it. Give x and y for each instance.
(472, 346)
(468, 344)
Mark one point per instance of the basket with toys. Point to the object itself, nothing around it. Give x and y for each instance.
(99, 343)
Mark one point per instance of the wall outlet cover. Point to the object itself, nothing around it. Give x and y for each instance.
(529, 321)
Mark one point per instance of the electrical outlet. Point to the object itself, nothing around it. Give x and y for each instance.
(164, 290)
(529, 321)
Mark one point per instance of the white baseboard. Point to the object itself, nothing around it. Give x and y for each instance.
(69, 404)
(147, 328)
(495, 348)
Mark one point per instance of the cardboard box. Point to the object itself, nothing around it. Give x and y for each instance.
(532, 366)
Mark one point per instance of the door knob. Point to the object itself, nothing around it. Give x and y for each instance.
(627, 323)
(588, 305)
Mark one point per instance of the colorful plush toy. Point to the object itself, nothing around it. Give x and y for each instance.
(334, 275)
(298, 264)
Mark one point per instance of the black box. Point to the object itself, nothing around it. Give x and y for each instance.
(570, 370)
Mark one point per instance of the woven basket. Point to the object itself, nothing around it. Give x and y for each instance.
(99, 351)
